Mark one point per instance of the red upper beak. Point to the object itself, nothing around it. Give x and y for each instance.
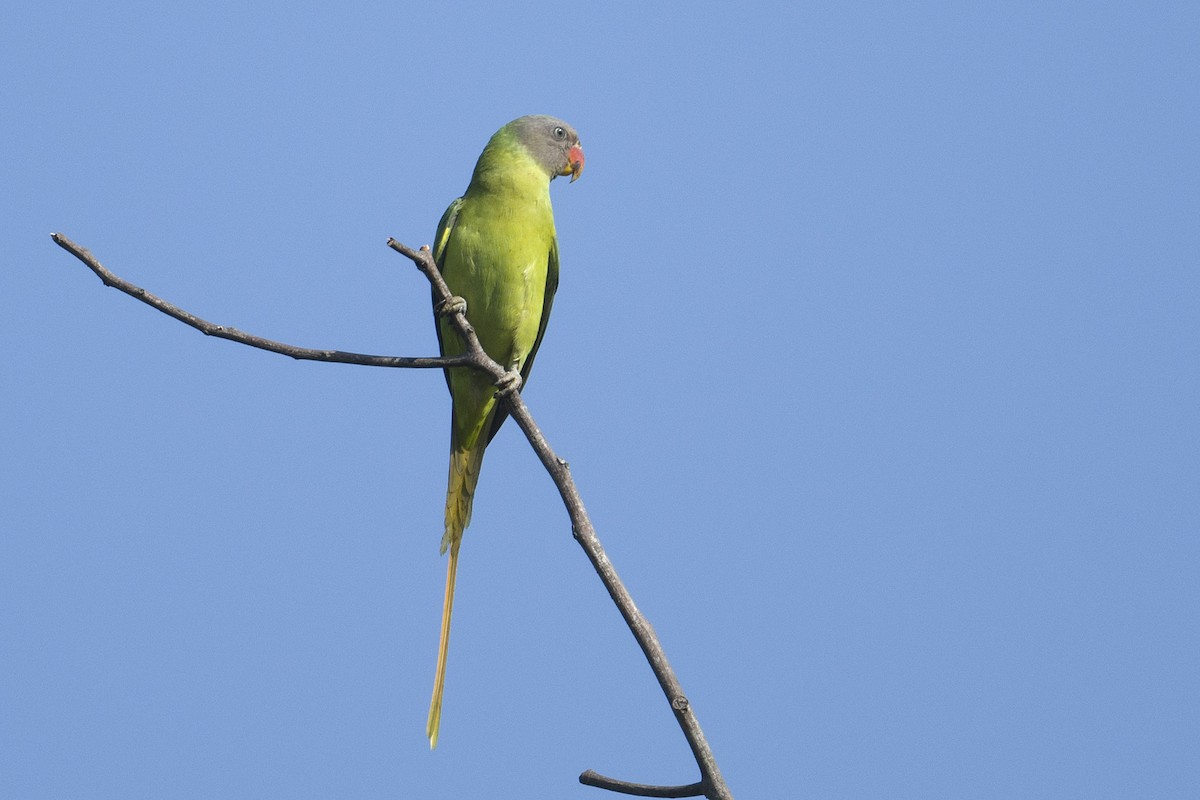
(574, 162)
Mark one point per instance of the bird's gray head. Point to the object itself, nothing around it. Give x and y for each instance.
(553, 143)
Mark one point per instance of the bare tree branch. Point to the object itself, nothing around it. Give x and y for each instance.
(711, 784)
(234, 335)
(591, 778)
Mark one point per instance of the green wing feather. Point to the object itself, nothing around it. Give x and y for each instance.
(444, 229)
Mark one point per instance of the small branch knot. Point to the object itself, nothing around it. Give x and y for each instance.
(679, 703)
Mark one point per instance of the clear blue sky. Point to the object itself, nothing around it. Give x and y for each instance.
(875, 355)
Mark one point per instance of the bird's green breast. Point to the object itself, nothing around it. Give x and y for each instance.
(497, 260)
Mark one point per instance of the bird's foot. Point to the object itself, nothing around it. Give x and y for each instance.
(450, 306)
(511, 382)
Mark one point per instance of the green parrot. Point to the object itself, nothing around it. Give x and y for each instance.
(497, 250)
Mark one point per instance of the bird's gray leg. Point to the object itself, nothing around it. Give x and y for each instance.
(511, 381)
(450, 306)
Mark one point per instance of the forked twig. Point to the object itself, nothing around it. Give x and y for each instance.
(711, 784)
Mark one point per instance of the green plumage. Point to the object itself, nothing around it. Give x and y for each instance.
(496, 248)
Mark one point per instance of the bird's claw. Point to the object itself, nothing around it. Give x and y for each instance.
(510, 382)
(450, 306)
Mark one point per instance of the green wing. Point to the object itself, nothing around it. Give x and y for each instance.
(444, 229)
(547, 302)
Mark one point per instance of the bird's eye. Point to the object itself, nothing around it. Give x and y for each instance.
(559, 133)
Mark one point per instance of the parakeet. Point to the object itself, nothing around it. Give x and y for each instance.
(497, 250)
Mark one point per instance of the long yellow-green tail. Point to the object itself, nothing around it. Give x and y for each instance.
(460, 490)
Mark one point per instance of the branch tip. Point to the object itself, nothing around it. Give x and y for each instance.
(593, 778)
